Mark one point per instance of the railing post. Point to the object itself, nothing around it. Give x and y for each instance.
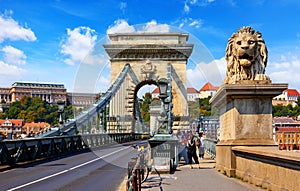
(139, 181)
(135, 186)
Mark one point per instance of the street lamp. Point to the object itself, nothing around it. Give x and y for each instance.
(163, 145)
(200, 123)
(118, 123)
(163, 87)
(61, 106)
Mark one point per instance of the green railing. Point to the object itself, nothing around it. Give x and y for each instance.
(210, 147)
(32, 149)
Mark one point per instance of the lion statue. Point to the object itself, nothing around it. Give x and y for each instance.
(246, 56)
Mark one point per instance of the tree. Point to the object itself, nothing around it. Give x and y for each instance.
(199, 107)
(280, 110)
(13, 112)
(30, 117)
(25, 102)
(35, 110)
(22, 114)
(144, 106)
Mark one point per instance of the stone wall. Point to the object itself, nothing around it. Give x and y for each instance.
(267, 167)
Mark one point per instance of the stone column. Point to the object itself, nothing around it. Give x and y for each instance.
(245, 111)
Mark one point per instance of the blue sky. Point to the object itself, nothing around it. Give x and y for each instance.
(48, 41)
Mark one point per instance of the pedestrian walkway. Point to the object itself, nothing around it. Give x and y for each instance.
(206, 178)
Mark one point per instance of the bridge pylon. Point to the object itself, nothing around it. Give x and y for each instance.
(150, 56)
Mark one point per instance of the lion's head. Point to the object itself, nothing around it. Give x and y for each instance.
(246, 56)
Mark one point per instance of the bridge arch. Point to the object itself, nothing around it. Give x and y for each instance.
(151, 56)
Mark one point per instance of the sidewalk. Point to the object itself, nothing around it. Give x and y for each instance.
(206, 178)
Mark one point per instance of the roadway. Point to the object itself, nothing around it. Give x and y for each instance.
(103, 169)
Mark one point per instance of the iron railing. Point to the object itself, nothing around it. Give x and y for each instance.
(210, 147)
(32, 149)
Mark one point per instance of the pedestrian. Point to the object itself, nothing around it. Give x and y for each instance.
(181, 146)
(191, 150)
(200, 145)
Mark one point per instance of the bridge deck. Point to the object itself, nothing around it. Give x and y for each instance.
(206, 178)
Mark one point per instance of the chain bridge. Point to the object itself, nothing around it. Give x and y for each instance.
(138, 59)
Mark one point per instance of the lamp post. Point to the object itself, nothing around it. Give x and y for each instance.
(61, 106)
(163, 145)
(200, 123)
(118, 123)
(163, 87)
(163, 95)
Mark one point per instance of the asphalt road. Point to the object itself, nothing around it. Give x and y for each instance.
(101, 170)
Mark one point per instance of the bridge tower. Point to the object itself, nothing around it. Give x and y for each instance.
(149, 55)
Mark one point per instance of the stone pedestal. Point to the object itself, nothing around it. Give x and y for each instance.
(164, 152)
(245, 118)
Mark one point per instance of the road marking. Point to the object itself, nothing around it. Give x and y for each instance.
(64, 171)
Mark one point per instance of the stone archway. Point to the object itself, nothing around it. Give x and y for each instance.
(149, 55)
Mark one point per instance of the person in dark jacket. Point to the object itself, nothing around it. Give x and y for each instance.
(191, 150)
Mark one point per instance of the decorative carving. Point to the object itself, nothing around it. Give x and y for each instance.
(246, 56)
(149, 71)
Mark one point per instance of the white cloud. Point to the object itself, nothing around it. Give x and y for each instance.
(120, 26)
(186, 8)
(103, 83)
(100, 59)
(206, 2)
(153, 26)
(190, 3)
(10, 29)
(197, 23)
(79, 43)
(286, 70)
(213, 72)
(13, 56)
(10, 70)
(123, 6)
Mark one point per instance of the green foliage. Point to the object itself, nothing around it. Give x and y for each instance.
(35, 110)
(280, 110)
(199, 107)
(144, 106)
(13, 112)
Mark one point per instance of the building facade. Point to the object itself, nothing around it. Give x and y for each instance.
(81, 100)
(286, 133)
(11, 128)
(49, 92)
(191, 93)
(288, 96)
(288, 138)
(208, 125)
(5, 95)
(33, 129)
(208, 90)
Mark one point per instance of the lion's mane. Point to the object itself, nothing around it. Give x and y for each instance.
(246, 56)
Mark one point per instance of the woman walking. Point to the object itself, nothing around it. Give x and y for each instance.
(201, 145)
(191, 147)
